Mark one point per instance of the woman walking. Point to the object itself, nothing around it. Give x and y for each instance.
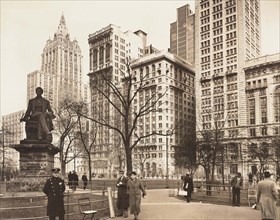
(135, 188)
(267, 196)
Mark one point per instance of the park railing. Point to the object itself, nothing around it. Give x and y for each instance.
(33, 205)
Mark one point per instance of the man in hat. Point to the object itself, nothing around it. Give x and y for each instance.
(188, 186)
(135, 187)
(267, 196)
(122, 202)
(54, 189)
(236, 184)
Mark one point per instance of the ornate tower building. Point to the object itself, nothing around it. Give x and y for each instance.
(61, 69)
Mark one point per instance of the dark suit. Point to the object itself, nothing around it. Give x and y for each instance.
(85, 180)
(188, 186)
(54, 189)
(236, 184)
(122, 201)
(39, 109)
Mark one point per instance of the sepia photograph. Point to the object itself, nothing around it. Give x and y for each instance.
(140, 110)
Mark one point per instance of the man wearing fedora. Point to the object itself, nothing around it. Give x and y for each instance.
(267, 196)
(54, 189)
(122, 202)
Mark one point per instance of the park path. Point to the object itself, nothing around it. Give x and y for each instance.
(157, 205)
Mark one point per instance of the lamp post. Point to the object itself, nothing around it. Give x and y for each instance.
(167, 171)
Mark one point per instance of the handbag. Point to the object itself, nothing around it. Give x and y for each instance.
(182, 193)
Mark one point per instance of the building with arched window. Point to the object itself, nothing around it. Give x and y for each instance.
(262, 77)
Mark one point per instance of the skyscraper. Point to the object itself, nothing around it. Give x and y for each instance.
(227, 34)
(182, 31)
(109, 48)
(61, 69)
(167, 74)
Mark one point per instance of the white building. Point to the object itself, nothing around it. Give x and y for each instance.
(227, 33)
(173, 77)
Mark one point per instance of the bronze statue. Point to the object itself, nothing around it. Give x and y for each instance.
(38, 116)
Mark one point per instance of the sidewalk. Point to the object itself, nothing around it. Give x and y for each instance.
(159, 206)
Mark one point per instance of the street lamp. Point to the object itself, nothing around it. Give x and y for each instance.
(168, 133)
(167, 172)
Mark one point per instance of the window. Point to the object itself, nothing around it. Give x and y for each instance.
(252, 132)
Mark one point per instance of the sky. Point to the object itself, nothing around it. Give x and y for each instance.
(27, 25)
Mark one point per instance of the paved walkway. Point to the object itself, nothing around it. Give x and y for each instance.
(159, 206)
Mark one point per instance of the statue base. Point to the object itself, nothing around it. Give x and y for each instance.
(36, 163)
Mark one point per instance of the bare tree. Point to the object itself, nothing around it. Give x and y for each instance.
(66, 128)
(140, 159)
(88, 139)
(185, 155)
(119, 114)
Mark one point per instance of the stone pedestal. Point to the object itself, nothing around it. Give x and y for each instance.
(36, 162)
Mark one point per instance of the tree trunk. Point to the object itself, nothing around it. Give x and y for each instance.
(128, 159)
(208, 182)
(89, 167)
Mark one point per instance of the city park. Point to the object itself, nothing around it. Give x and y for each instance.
(22, 195)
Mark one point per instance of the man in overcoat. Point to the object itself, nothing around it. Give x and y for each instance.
(188, 186)
(267, 196)
(85, 180)
(122, 202)
(75, 180)
(236, 184)
(135, 187)
(54, 188)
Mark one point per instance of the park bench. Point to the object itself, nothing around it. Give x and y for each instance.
(252, 196)
(86, 208)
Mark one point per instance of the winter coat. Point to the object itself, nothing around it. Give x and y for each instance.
(234, 183)
(267, 195)
(122, 202)
(75, 179)
(188, 185)
(134, 188)
(54, 189)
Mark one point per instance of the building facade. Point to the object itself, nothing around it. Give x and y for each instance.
(61, 78)
(12, 132)
(227, 34)
(262, 76)
(61, 69)
(109, 48)
(172, 77)
(182, 33)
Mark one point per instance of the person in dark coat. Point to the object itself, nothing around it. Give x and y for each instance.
(250, 178)
(75, 180)
(122, 202)
(188, 186)
(236, 184)
(54, 189)
(85, 180)
(134, 188)
(70, 180)
(267, 196)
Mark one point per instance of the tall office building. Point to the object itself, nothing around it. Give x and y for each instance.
(167, 74)
(109, 48)
(61, 77)
(262, 77)
(182, 41)
(227, 33)
(61, 69)
(12, 133)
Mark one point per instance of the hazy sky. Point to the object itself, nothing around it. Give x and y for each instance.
(27, 25)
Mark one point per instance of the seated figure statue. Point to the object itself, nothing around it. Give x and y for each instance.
(38, 118)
